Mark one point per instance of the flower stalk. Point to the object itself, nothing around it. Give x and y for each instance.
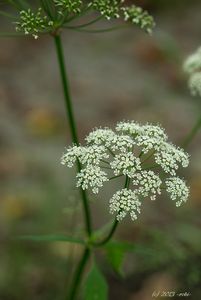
(71, 121)
(78, 274)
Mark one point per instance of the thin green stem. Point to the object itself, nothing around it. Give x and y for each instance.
(77, 16)
(78, 274)
(47, 9)
(69, 108)
(111, 152)
(109, 236)
(104, 167)
(127, 182)
(72, 123)
(149, 156)
(85, 24)
(192, 133)
(117, 176)
(105, 161)
(97, 30)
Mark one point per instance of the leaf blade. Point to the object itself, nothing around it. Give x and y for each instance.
(96, 287)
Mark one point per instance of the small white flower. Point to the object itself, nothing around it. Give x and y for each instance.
(71, 155)
(109, 139)
(121, 143)
(151, 137)
(154, 131)
(131, 128)
(91, 177)
(147, 136)
(148, 143)
(169, 157)
(136, 129)
(123, 202)
(125, 163)
(101, 136)
(148, 184)
(195, 84)
(93, 154)
(177, 189)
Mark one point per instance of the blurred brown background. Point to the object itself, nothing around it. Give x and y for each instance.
(113, 76)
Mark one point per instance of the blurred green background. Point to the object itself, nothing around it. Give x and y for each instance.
(113, 76)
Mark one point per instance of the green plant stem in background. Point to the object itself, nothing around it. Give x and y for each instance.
(68, 102)
(192, 133)
(78, 274)
(71, 121)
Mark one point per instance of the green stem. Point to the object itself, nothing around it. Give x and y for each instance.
(192, 133)
(148, 157)
(85, 24)
(109, 236)
(117, 176)
(78, 274)
(72, 123)
(97, 30)
(114, 226)
(69, 108)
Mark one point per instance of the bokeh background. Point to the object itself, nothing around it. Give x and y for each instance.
(114, 76)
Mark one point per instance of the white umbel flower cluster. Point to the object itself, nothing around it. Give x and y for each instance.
(139, 17)
(70, 6)
(125, 163)
(91, 176)
(177, 189)
(123, 202)
(192, 66)
(32, 22)
(108, 8)
(71, 155)
(141, 154)
(149, 184)
(170, 157)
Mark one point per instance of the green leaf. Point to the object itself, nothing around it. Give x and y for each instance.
(115, 252)
(96, 287)
(52, 238)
